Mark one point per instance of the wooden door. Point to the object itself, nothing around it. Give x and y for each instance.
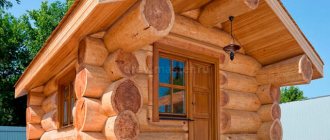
(201, 126)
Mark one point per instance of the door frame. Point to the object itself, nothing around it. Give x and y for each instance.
(195, 51)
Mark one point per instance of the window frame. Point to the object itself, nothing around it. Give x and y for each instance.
(67, 80)
(158, 52)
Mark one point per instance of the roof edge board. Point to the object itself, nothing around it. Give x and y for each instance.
(67, 29)
(305, 45)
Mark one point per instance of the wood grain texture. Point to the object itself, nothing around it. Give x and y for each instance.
(218, 11)
(183, 6)
(141, 25)
(34, 131)
(50, 103)
(234, 121)
(35, 98)
(92, 51)
(239, 100)
(120, 96)
(239, 137)
(91, 81)
(89, 115)
(50, 121)
(269, 112)
(270, 131)
(65, 133)
(34, 114)
(294, 71)
(268, 94)
(121, 127)
(238, 82)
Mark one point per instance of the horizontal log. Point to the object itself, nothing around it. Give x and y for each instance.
(50, 103)
(141, 25)
(147, 125)
(183, 5)
(121, 64)
(234, 122)
(238, 82)
(35, 98)
(65, 133)
(91, 81)
(98, 35)
(163, 136)
(51, 86)
(37, 89)
(193, 14)
(239, 100)
(34, 131)
(92, 51)
(270, 131)
(123, 126)
(218, 11)
(243, 64)
(34, 114)
(293, 71)
(269, 112)
(89, 115)
(190, 28)
(239, 137)
(144, 59)
(90, 136)
(49, 121)
(120, 96)
(268, 94)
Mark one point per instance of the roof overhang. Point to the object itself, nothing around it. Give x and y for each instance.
(90, 16)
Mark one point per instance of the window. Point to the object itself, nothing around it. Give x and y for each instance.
(171, 86)
(67, 99)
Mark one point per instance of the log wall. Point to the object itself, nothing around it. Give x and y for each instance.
(113, 82)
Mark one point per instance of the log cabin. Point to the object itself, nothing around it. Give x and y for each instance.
(157, 70)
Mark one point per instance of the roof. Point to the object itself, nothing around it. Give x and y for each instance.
(307, 119)
(12, 133)
(87, 16)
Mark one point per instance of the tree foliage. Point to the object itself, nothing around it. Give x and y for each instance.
(292, 93)
(7, 4)
(21, 38)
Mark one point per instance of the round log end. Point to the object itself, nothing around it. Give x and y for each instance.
(276, 111)
(224, 121)
(127, 97)
(80, 83)
(223, 79)
(127, 63)
(253, 4)
(80, 113)
(126, 126)
(224, 99)
(276, 131)
(159, 14)
(275, 93)
(306, 69)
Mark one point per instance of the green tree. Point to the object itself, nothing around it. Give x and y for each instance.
(13, 60)
(41, 22)
(292, 93)
(20, 39)
(7, 4)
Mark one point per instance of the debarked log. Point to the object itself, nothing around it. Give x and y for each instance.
(239, 100)
(239, 137)
(268, 94)
(50, 103)
(238, 82)
(144, 23)
(35, 98)
(49, 121)
(269, 112)
(270, 131)
(121, 95)
(34, 114)
(92, 51)
(33, 131)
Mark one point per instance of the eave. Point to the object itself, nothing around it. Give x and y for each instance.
(83, 18)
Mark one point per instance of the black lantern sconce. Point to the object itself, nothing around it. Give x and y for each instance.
(232, 48)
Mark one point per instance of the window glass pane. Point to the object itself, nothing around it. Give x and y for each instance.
(178, 72)
(73, 98)
(164, 70)
(178, 99)
(65, 105)
(164, 100)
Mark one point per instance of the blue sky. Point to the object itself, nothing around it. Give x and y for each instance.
(312, 17)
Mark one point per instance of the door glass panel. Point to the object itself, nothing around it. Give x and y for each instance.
(178, 73)
(165, 100)
(164, 70)
(178, 99)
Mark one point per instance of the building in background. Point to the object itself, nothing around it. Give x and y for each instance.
(12, 133)
(306, 120)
